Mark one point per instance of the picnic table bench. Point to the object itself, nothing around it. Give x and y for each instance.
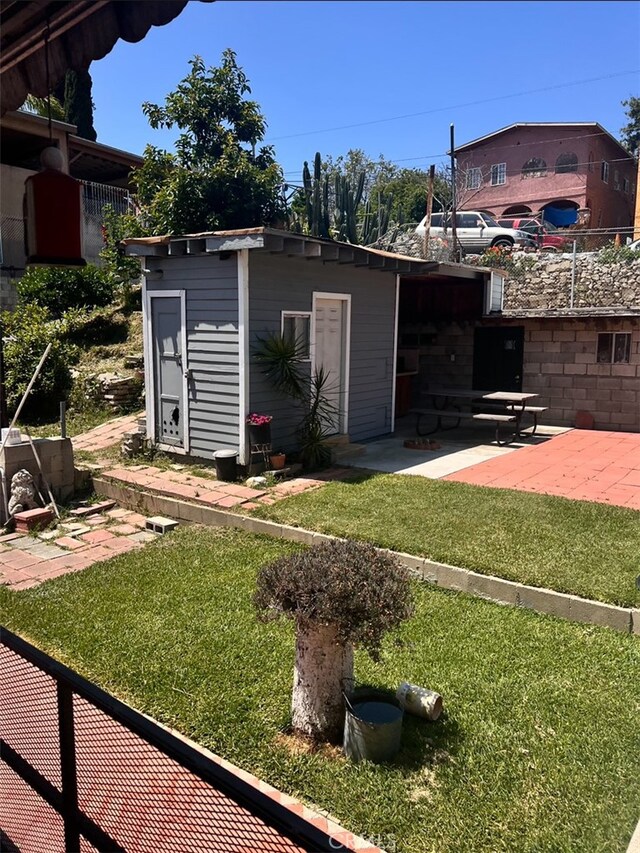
(510, 406)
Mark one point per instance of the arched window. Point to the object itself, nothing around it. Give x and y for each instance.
(534, 168)
(567, 162)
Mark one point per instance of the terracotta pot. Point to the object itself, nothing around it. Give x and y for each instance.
(277, 461)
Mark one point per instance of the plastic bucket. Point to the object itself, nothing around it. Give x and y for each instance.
(372, 729)
(226, 465)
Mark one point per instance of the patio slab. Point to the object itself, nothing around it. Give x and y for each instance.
(581, 464)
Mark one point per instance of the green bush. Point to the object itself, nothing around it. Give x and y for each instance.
(612, 254)
(61, 288)
(26, 334)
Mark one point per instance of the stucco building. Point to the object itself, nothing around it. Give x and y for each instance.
(571, 171)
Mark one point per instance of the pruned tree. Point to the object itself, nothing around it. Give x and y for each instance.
(216, 178)
(341, 595)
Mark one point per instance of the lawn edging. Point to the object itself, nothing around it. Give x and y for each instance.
(489, 587)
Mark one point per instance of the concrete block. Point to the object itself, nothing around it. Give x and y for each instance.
(267, 528)
(493, 588)
(545, 601)
(159, 524)
(635, 620)
(599, 613)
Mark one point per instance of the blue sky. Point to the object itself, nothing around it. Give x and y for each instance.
(315, 67)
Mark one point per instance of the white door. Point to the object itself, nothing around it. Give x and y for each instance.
(331, 321)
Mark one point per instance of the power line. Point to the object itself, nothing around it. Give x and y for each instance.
(504, 148)
(456, 106)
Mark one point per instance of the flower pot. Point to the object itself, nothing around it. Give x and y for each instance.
(277, 461)
(260, 435)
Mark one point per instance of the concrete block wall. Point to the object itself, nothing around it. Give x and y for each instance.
(560, 364)
(56, 457)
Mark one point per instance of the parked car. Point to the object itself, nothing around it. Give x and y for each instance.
(543, 232)
(477, 231)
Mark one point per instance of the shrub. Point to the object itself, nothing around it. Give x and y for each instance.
(613, 254)
(61, 288)
(350, 585)
(87, 328)
(26, 335)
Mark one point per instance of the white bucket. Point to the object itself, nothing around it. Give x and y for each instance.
(419, 701)
(13, 435)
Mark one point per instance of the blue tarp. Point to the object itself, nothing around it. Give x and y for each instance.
(560, 216)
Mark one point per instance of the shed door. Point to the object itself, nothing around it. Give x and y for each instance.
(331, 322)
(167, 341)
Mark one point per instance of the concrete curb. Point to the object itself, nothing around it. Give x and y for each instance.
(489, 587)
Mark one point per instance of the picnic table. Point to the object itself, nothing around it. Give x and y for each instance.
(506, 408)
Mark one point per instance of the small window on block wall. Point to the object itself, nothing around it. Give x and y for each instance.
(614, 347)
(296, 328)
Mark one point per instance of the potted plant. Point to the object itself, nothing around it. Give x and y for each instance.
(259, 429)
(277, 460)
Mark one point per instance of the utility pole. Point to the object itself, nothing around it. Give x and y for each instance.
(427, 224)
(454, 231)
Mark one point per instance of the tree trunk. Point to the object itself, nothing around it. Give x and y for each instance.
(321, 667)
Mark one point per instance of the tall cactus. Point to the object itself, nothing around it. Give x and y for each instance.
(345, 220)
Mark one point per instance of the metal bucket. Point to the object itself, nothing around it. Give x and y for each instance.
(372, 728)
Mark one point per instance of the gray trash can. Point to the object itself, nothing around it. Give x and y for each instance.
(226, 465)
(372, 727)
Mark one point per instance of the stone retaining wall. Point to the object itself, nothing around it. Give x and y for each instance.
(547, 285)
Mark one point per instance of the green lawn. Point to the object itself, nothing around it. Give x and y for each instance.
(538, 750)
(587, 549)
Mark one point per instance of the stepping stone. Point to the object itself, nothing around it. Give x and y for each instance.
(71, 544)
(143, 536)
(82, 511)
(48, 535)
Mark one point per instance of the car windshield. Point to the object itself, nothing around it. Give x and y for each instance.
(490, 220)
(550, 227)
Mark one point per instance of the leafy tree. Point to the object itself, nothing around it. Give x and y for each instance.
(631, 132)
(40, 107)
(216, 178)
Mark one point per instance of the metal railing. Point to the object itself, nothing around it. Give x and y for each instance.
(82, 771)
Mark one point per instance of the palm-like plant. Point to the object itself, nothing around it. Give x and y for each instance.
(283, 361)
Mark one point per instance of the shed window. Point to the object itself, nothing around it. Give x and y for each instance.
(614, 348)
(498, 174)
(567, 162)
(604, 171)
(296, 328)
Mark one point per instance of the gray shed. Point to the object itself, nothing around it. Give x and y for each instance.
(207, 298)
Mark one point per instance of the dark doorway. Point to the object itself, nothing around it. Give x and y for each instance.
(497, 358)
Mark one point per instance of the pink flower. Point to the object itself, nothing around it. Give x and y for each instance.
(255, 419)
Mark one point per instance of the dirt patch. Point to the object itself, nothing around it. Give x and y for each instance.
(298, 744)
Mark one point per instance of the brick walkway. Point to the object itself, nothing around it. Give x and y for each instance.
(210, 492)
(77, 543)
(581, 464)
(105, 435)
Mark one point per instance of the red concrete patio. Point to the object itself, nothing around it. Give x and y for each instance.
(581, 464)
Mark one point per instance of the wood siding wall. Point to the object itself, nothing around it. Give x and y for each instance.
(211, 287)
(278, 283)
